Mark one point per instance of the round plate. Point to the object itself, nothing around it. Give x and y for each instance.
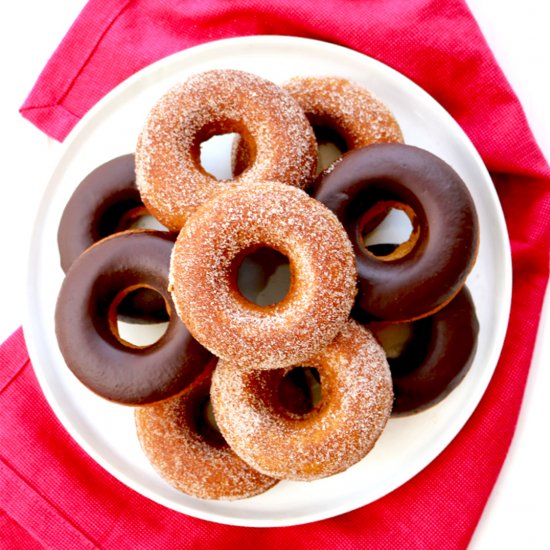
(106, 431)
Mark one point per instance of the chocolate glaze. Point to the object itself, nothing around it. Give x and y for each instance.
(96, 207)
(100, 206)
(436, 267)
(99, 359)
(437, 357)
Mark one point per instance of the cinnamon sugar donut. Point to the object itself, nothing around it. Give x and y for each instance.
(341, 429)
(424, 273)
(351, 111)
(189, 453)
(278, 137)
(86, 328)
(340, 111)
(207, 256)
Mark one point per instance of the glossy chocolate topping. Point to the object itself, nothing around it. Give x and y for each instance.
(87, 335)
(433, 267)
(96, 207)
(437, 357)
(107, 201)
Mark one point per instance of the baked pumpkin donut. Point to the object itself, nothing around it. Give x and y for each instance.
(278, 137)
(436, 356)
(424, 273)
(341, 112)
(339, 431)
(105, 202)
(188, 451)
(349, 110)
(86, 328)
(210, 249)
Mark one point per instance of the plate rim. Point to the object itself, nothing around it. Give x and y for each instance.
(32, 343)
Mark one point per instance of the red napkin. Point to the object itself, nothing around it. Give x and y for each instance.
(53, 494)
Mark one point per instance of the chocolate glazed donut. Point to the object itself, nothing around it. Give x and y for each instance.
(423, 274)
(96, 208)
(85, 322)
(105, 202)
(437, 356)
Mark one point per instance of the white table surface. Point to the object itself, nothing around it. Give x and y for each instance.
(517, 513)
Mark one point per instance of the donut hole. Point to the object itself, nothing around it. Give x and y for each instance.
(330, 146)
(262, 275)
(300, 391)
(389, 230)
(138, 317)
(123, 215)
(206, 424)
(139, 218)
(406, 344)
(118, 216)
(393, 337)
(224, 149)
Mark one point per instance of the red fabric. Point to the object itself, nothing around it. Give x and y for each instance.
(51, 492)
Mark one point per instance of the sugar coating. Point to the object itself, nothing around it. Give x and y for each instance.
(279, 137)
(186, 459)
(356, 403)
(346, 107)
(322, 266)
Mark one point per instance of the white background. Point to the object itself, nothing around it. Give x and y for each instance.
(517, 512)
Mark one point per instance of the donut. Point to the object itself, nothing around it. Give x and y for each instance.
(436, 356)
(105, 202)
(279, 139)
(221, 234)
(341, 112)
(339, 431)
(186, 449)
(338, 106)
(86, 329)
(422, 274)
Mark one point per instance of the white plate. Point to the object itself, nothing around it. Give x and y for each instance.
(106, 431)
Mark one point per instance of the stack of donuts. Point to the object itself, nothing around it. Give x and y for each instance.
(227, 400)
